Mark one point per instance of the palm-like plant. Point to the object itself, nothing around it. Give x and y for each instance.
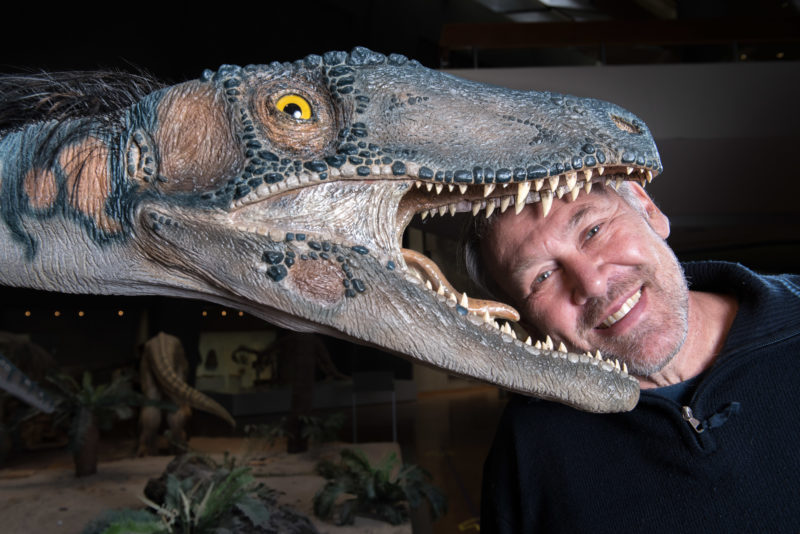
(374, 491)
(86, 409)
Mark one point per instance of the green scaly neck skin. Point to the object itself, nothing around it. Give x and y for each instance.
(284, 190)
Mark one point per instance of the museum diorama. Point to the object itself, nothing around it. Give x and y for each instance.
(232, 301)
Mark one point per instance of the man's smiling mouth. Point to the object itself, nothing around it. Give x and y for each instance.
(626, 307)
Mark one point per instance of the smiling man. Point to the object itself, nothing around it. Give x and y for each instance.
(712, 444)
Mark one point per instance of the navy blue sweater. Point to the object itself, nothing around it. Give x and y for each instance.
(556, 469)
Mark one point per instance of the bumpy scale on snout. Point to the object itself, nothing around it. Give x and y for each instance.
(284, 190)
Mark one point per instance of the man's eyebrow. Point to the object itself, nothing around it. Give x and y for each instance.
(577, 217)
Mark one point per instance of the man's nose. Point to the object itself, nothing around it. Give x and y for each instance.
(588, 279)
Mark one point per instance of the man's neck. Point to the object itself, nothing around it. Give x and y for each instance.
(710, 318)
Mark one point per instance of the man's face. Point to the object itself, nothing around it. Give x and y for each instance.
(595, 274)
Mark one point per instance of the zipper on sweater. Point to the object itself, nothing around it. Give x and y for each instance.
(689, 417)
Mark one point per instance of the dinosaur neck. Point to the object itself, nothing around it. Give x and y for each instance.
(60, 226)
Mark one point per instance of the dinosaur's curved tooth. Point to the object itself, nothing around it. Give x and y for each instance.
(440, 289)
(504, 202)
(560, 192)
(462, 188)
(489, 208)
(522, 195)
(429, 285)
(587, 174)
(572, 179)
(642, 181)
(597, 355)
(625, 368)
(528, 341)
(424, 215)
(562, 347)
(452, 209)
(476, 207)
(547, 202)
(601, 170)
(628, 170)
(452, 298)
(429, 186)
(487, 190)
(439, 188)
(513, 332)
(618, 182)
(616, 365)
(553, 180)
(418, 184)
(649, 176)
(574, 192)
(486, 317)
(608, 181)
(537, 184)
(442, 210)
(587, 186)
(538, 344)
(548, 343)
(464, 300)
(450, 187)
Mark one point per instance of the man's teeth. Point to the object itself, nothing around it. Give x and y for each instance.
(623, 310)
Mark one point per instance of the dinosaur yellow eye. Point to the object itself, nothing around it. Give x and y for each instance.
(295, 105)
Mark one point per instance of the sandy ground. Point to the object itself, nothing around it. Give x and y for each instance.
(49, 499)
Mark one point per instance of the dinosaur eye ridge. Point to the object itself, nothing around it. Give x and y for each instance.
(295, 105)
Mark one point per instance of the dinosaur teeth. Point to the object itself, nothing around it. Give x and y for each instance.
(487, 190)
(504, 202)
(489, 208)
(522, 195)
(429, 186)
(547, 202)
(553, 180)
(476, 207)
(439, 188)
(537, 184)
(572, 179)
(462, 188)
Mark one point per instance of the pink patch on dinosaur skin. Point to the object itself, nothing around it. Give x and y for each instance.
(89, 180)
(318, 280)
(41, 188)
(194, 139)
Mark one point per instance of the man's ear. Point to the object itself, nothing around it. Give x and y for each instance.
(654, 216)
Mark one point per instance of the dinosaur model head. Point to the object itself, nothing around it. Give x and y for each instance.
(284, 190)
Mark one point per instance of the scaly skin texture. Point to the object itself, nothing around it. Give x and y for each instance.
(284, 190)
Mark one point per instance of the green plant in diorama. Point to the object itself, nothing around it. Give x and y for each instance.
(374, 490)
(86, 409)
(228, 500)
(319, 430)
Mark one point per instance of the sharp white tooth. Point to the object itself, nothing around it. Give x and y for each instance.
(496, 324)
(439, 188)
(618, 183)
(649, 176)
(505, 185)
(489, 208)
(553, 180)
(418, 184)
(464, 300)
(537, 184)
(522, 195)
(428, 285)
(450, 187)
(629, 170)
(462, 188)
(608, 181)
(442, 210)
(452, 209)
(574, 192)
(513, 334)
(587, 174)
(572, 179)
(440, 290)
(587, 186)
(548, 343)
(476, 207)
(452, 298)
(560, 192)
(504, 202)
(624, 367)
(424, 215)
(598, 356)
(486, 317)
(429, 186)
(487, 190)
(562, 347)
(601, 170)
(528, 341)
(642, 181)
(538, 344)
(547, 202)
(616, 365)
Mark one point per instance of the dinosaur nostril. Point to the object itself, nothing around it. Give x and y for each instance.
(624, 125)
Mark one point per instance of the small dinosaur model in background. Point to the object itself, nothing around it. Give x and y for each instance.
(163, 371)
(284, 190)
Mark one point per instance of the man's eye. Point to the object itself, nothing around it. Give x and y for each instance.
(542, 277)
(591, 233)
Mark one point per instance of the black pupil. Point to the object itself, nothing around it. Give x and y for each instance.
(292, 109)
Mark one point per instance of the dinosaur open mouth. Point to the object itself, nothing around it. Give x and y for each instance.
(428, 200)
